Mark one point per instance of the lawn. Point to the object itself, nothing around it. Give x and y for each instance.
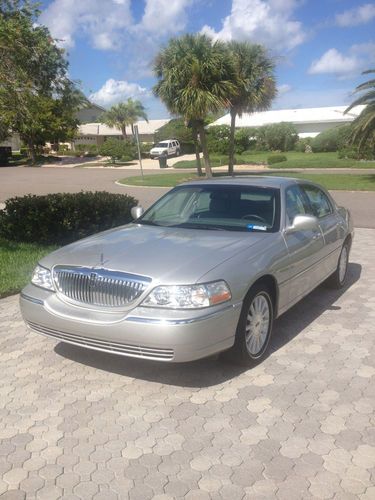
(294, 160)
(17, 261)
(346, 182)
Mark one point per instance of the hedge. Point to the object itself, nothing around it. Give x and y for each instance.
(276, 159)
(63, 217)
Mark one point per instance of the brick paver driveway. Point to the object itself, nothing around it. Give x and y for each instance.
(81, 424)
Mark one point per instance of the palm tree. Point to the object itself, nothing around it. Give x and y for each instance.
(255, 84)
(363, 127)
(123, 114)
(117, 116)
(136, 111)
(195, 76)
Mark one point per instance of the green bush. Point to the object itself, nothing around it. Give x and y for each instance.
(85, 150)
(218, 139)
(244, 139)
(118, 149)
(301, 144)
(277, 137)
(276, 159)
(331, 139)
(356, 154)
(63, 217)
(176, 129)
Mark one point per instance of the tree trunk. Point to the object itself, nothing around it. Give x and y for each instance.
(132, 126)
(123, 131)
(32, 153)
(231, 141)
(197, 152)
(206, 157)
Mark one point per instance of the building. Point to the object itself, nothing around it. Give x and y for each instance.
(90, 113)
(96, 133)
(309, 122)
(13, 142)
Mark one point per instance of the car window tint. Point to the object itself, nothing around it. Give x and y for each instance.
(295, 203)
(320, 204)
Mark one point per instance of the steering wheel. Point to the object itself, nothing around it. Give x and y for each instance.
(254, 216)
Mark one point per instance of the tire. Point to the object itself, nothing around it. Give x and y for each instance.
(252, 337)
(339, 277)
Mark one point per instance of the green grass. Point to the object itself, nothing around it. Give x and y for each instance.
(346, 182)
(295, 160)
(17, 261)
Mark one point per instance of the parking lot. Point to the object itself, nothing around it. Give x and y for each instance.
(81, 424)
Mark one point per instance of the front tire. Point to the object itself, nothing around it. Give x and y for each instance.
(254, 328)
(339, 277)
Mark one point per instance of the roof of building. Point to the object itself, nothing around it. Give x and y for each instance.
(144, 128)
(331, 114)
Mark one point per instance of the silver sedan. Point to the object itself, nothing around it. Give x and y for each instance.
(206, 269)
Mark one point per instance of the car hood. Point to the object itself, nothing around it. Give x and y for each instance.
(167, 255)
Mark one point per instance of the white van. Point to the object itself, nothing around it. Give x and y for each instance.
(169, 147)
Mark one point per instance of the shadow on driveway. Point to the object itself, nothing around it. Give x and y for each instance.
(212, 371)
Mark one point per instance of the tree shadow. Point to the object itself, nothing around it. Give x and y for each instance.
(212, 371)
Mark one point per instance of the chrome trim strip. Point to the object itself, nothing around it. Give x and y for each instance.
(32, 299)
(185, 321)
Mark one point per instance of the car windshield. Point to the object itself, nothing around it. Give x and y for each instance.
(217, 207)
(161, 145)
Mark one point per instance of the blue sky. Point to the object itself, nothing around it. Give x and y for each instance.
(321, 46)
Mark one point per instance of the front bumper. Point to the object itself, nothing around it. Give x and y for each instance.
(173, 336)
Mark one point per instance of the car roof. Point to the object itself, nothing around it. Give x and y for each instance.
(253, 180)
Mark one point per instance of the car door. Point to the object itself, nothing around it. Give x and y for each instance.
(322, 208)
(305, 247)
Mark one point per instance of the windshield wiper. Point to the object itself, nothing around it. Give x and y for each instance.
(191, 225)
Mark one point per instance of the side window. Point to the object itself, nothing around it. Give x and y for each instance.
(320, 204)
(295, 203)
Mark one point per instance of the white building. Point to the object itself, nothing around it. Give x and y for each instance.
(309, 122)
(97, 133)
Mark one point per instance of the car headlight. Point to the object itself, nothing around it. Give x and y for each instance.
(188, 296)
(42, 277)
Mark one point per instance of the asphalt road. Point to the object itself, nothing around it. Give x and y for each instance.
(21, 181)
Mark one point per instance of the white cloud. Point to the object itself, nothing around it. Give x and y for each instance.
(264, 21)
(102, 21)
(165, 16)
(354, 17)
(342, 65)
(114, 91)
(283, 89)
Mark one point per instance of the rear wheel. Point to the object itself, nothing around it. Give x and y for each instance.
(338, 278)
(254, 328)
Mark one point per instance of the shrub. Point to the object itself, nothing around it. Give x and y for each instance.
(356, 154)
(218, 139)
(331, 139)
(118, 149)
(301, 144)
(176, 129)
(244, 139)
(276, 159)
(277, 137)
(63, 217)
(86, 150)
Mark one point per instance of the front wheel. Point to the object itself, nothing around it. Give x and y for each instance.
(338, 278)
(254, 328)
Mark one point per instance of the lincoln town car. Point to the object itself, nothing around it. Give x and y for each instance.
(206, 269)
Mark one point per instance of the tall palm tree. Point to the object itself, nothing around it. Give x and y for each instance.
(117, 116)
(123, 114)
(195, 76)
(363, 127)
(255, 84)
(136, 111)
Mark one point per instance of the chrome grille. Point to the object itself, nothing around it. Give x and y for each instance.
(134, 351)
(99, 287)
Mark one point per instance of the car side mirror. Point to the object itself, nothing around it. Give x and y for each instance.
(303, 223)
(136, 212)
